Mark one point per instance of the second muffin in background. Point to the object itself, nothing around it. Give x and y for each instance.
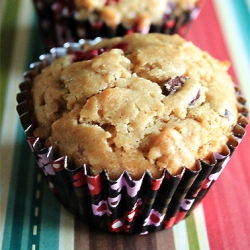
(69, 21)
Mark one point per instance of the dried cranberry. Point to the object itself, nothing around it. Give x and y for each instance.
(130, 31)
(79, 56)
(108, 2)
(169, 24)
(122, 45)
(97, 25)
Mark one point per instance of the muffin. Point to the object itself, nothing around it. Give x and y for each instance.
(131, 140)
(69, 21)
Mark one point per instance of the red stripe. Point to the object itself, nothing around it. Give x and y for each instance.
(227, 205)
(205, 32)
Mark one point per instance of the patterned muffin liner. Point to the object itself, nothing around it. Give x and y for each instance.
(122, 205)
(59, 23)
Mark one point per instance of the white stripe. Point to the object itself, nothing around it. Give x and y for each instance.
(36, 211)
(234, 43)
(8, 133)
(38, 194)
(248, 5)
(27, 215)
(66, 231)
(200, 226)
(180, 236)
(35, 230)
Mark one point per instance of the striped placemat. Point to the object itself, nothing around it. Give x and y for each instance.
(30, 216)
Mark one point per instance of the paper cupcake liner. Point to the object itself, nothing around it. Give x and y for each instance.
(122, 205)
(59, 23)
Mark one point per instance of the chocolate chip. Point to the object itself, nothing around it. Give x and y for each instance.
(173, 84)
(227, 114)
(195, 99)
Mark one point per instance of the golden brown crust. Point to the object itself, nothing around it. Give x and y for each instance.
(159, 103)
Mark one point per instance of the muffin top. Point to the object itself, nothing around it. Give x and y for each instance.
(135, 103)
(114, 12)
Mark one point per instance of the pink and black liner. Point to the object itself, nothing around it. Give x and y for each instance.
(59, 23)
(123, 205)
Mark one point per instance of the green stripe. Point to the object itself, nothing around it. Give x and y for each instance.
(33, 51)
(29, 211)
(50, 213)
(19, 194)
(35, 47)
(8, 31)
(48, 219)
(19, 213)
(34, 202)
(192, 233)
